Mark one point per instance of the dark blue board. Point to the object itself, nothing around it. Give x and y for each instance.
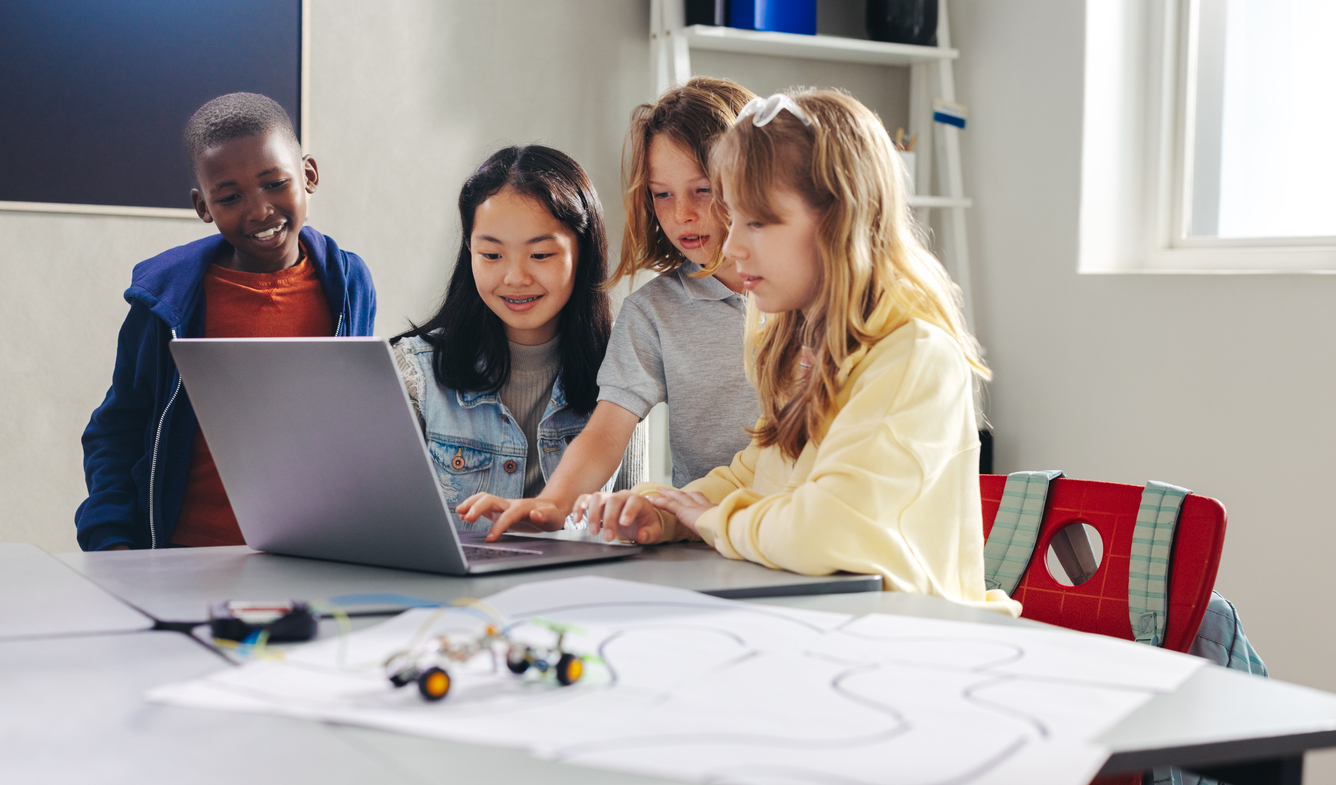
(94, 94)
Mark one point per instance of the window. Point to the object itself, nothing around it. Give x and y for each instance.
(1207, 136)
(1260, 162)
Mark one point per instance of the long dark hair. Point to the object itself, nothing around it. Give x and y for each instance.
(469, 348)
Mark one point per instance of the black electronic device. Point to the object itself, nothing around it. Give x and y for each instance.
(237, 620)
(903, 21)
(707, 12)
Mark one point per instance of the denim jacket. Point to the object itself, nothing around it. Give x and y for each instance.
(475, 443)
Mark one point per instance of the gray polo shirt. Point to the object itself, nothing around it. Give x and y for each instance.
(679, 339)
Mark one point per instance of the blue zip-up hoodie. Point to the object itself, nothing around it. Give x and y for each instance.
(139, 442)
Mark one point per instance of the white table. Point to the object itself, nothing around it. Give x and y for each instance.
(74, 711)
(177, 584)
(1244, 727)
(41, 597)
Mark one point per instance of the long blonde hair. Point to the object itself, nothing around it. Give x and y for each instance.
(693, 116)
(876, 273)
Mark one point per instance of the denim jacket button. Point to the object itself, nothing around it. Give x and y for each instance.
(457, 463)
(510, 467)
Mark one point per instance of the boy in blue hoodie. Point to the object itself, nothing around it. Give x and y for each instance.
(151, 479)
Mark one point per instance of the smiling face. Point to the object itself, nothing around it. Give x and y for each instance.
(255, 188)
(778, 261)
(681, 195)
(523, 265)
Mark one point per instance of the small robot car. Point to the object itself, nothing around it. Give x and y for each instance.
(425, 663)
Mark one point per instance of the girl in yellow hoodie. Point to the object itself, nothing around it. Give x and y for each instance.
(866, 455)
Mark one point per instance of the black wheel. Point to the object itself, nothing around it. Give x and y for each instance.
(434, 683)
(517, 658)
(569, 669)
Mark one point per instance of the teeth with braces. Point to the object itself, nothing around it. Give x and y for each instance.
(521, 302)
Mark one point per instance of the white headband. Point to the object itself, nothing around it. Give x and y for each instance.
(763, 110)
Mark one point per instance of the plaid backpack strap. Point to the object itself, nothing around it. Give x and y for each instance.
(1221, 639)
(1015, 529)
(1148, 571)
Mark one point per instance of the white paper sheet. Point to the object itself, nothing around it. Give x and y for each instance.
(1050, 654)
(697, 688)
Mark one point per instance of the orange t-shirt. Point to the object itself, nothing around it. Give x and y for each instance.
(288, 303)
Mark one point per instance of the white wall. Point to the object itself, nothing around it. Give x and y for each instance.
(1221, 383)
(62, 306)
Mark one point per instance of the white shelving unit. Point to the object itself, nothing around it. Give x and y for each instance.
(808, 47)
(931, 76)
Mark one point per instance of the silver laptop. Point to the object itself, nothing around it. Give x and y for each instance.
(318, 447)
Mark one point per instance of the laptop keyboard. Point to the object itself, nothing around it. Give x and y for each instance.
(484, 552)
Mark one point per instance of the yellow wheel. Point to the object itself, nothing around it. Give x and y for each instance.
(569, 669)
(434, 683)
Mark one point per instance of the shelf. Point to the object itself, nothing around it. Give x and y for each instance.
(810, 47)
(939, 201)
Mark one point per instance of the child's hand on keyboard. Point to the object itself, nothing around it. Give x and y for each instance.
(522, 514)
(622, 515)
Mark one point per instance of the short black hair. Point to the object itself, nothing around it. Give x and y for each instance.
(234, 116)
(468, 340)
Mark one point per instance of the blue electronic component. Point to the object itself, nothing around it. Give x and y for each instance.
(778, 16)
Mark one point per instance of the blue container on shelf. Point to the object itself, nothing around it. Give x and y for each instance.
(777, 16)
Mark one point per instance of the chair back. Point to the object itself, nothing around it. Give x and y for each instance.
(1100, 604)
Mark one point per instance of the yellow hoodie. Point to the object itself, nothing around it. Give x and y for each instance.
(892, 489)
